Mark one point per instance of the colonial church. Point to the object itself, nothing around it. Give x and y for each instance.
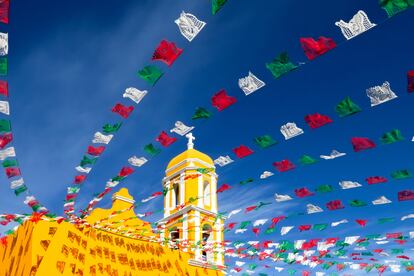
(115, 242)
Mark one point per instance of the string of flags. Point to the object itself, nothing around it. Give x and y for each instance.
(221, 100)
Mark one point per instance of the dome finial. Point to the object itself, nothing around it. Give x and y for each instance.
(191, 138)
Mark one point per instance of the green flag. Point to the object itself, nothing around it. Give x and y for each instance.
(307, 160)
(373, 236)
(151, 150)
(252, 266)
(117, 178)
(286, 245)
(270, 230)
(88, 161)
(324, 189)
(107, 128)
(21, 189)
(319, 227)
(3, 66)
(393, 7)
(216, 5)
(397, 251)
(367, 254)
(151, 74)
(401, 174)
(280, 65)
(385, 220)
(5, 126)
(247, 181)
(347, 107)
(244, 224)
(204, 170)
(201, 113)
(357, 203)
(291, 271)
(264, 141)
(340, 252)
(10, 163)
(392, 137)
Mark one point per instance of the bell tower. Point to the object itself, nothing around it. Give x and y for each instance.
(191, 221)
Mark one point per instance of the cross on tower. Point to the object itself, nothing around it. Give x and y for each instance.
(191, 138)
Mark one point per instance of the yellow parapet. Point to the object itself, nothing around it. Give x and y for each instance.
(49, 248)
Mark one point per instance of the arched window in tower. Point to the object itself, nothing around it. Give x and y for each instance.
(206, 238)
(176, 195)
(206, 193)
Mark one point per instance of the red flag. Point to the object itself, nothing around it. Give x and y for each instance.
(393, 235)
(256, 231)
(376, 180)
(231, 225)
(331, 240)
(71, 196)
(317, 120)
(12, 172)
(4, 87)
(223, 188)
(303, 192)
(5, 139)
(238, 269)
(95, 151)
(305, 273)
(164, 139)
(284, 165)
(340, 267)
(410, 79)
(359, 144)
(221, 100)
(242, 151)
(79, 179)
(306, 227)
(167, 52)
(314, 48)
(250, 208)
(403, 257)
(361, 222)
(123, 110)
(4, 11)
(405, 195)
(308, 245)
(125, 171)
(276, 220)
(334, 205)
(157, 194)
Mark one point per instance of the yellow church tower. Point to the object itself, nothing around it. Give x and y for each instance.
(191, 218)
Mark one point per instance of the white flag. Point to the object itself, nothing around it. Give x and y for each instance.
(311, 209)
(100, 138)
(334, 224)
(285, 230)
(250, 84)
(349, 184)
(298, 244)
(410, 216)
(411, 235)
(137, 161)
(189, 25)
(4, 107)
(223, 161)
(279, 269)
(8, 152)
(82, 169)
(334, 154)
(381, 200)
(181, 129)
(320, 273)
(259, 222)
(395, 268)
(111, 184)
(240, 263)
(4, 44)
(351, 240)
(382, 242)
(240, 231)
(135, 94)
(16, 183)
(234, 212)
(281, 198)
(266, 174)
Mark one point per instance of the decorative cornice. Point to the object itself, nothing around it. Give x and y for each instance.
(186, 210)
(122, 198)
(167, 178)
(189, 160)
(206, 265)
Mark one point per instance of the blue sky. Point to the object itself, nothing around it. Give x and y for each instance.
(70, 63)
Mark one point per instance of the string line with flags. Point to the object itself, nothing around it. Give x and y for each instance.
(312, 49)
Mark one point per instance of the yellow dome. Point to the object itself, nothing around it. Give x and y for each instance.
(190, 153)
